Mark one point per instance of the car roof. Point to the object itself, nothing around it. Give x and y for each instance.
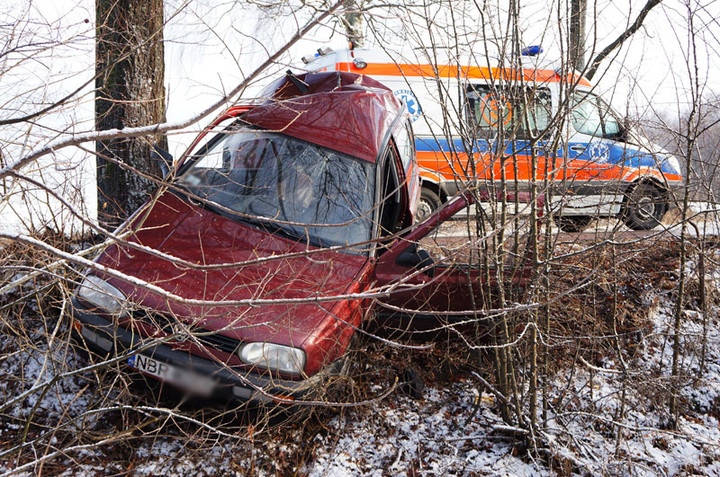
(347, 112)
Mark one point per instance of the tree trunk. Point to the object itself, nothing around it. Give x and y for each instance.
(130, 71)
(576, 48)
(353, 22)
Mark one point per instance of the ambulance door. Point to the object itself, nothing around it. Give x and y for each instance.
(593, 154)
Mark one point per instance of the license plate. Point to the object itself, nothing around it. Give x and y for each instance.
(182, 378)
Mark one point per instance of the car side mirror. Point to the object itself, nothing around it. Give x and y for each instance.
(625, 130)
(418, 259)
(163, 158)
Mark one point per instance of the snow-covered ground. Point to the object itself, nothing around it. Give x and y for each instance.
(609, 417)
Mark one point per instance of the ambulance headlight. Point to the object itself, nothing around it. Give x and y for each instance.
(104, 296)
(274, 357)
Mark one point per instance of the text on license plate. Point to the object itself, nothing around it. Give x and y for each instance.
(182, 378)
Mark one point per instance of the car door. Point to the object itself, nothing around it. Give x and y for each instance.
(432, 284)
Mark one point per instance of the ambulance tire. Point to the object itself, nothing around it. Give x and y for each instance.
(644, 207)
(429, 203)
(572, 223)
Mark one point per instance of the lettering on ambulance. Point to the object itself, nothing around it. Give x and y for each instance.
(450, 160)
(591, 161)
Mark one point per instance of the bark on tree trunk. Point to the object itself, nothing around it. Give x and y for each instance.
(578, 15)
(353, 21)
(130, 71)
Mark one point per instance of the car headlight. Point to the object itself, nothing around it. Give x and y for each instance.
(100, 293)
(274, 357)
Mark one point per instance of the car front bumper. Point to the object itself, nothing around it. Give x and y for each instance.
(97, 333)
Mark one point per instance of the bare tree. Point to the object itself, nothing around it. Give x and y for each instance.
(352, 20)
(577, 36)
(624, 36)
(130, 92)
(576, 40)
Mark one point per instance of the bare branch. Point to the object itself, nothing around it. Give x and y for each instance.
(595, 63)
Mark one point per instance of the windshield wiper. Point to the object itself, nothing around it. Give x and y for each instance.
(265, 223)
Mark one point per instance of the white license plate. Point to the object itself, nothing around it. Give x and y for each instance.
(182, 378)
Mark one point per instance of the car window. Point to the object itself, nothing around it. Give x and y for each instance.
(519, 112)
(294, 187)
(590, 115)
(212, 134)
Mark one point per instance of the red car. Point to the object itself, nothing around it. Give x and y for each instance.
(246, 276)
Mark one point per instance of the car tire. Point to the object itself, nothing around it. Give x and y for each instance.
(412, 383)
(644, 207)
(429, 203)
(572, 223)
(341, 386)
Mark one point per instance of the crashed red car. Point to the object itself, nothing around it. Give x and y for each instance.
(247, 275)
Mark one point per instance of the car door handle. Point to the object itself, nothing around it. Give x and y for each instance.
(578, 148)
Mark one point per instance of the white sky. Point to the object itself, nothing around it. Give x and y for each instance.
(211, 45)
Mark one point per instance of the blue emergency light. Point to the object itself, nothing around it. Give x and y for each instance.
(532, 50)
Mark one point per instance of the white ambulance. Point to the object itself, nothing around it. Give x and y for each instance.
(499, 127)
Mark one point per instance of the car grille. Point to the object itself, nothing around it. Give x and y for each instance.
(206, 337)
(216, 340)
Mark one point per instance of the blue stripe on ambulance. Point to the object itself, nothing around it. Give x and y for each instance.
(615, 154)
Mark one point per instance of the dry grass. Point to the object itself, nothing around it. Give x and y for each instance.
(113, 416)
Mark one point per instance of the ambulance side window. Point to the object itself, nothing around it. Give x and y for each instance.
(520, 112)
(590, 115)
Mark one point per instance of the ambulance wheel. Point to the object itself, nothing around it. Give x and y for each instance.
(644, 207)
(572, 223)
(429, 203)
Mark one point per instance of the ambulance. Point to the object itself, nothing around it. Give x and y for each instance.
(505, 129)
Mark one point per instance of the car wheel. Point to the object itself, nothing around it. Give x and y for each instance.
(412, 383)
(644, 207)
(429, 203)
(572, 223)
(340, 385)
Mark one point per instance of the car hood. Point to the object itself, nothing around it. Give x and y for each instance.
(260, 268)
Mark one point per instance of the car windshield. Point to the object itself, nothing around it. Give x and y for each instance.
(285, 185)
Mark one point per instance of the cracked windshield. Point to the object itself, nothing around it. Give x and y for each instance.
(289, 186)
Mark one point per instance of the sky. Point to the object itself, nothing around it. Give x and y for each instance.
(210, 46)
